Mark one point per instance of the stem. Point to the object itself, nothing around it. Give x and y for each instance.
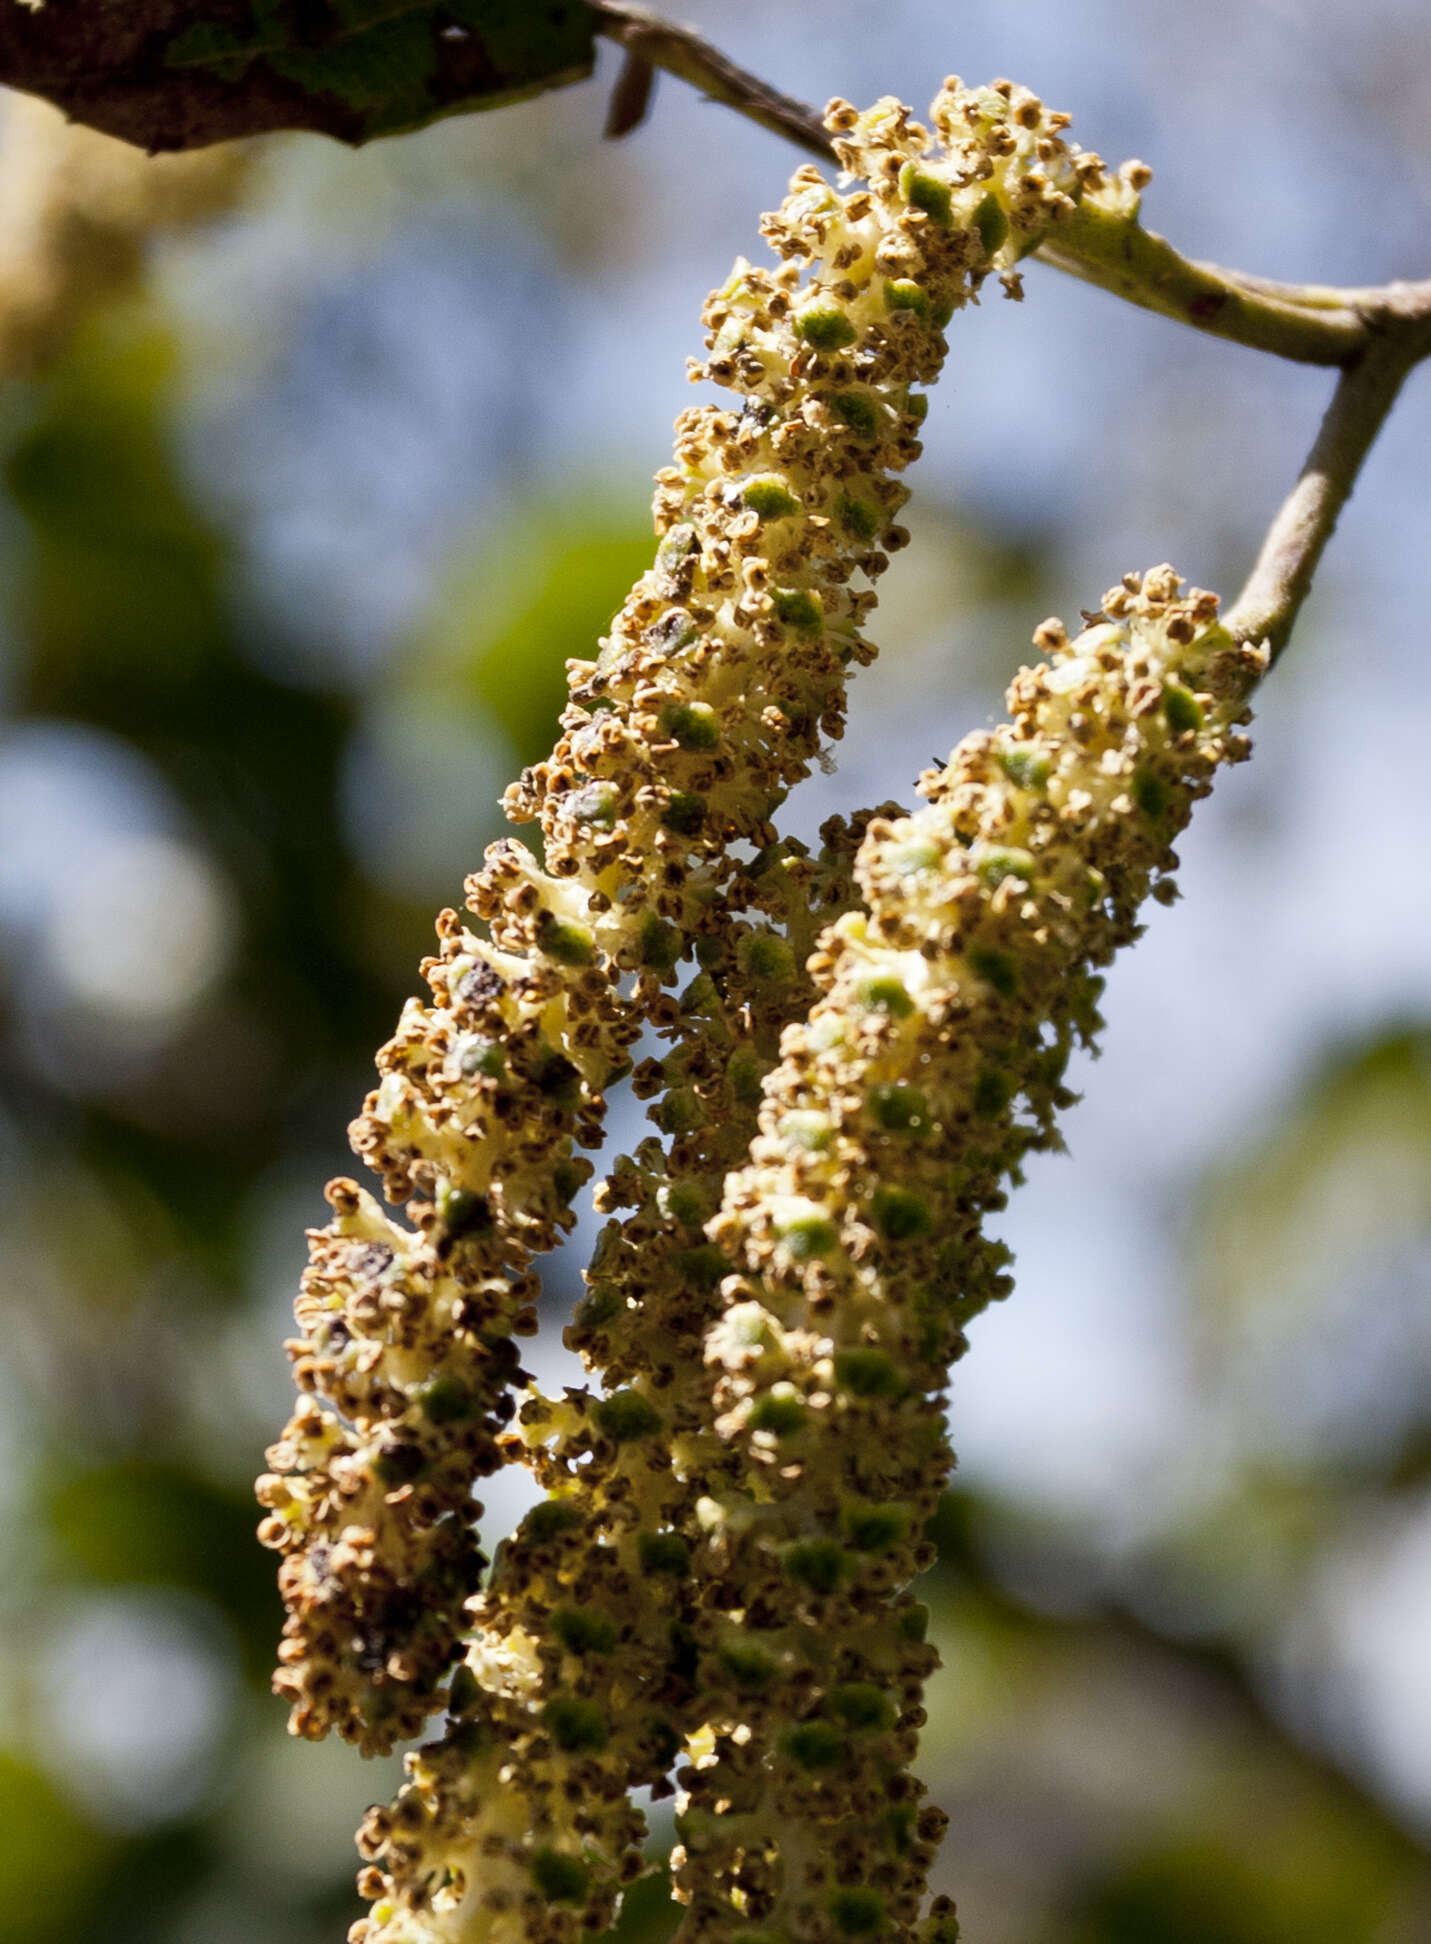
(1282, 576)
(1309, 323)
(682, 52)
(1376, 335)
(630, 97)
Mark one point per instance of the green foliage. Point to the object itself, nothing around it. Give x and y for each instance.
(526, 598)
(140, 1522)
(1337, 1180)
(1206, 1892)
(41, 1903)
(125, 626)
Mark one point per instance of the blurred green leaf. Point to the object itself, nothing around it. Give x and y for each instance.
(528, 598)
(52, 1863)
(148, 1881)
(123, 621)
(123, 577)
(1276, 1891)
(155, 1524)
(1340, 1178)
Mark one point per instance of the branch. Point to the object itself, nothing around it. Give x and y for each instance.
(682, 52)
(1376, 335)
(1280, 580)
(1308, 323)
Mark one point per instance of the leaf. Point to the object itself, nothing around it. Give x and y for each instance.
(178, 74)
(51, 1861)
(1340, 1180)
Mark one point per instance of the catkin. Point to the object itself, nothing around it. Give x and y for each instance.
(574, 1688)
(930, 1066)
(708, 699)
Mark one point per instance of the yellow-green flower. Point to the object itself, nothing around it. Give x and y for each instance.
(931, 1065)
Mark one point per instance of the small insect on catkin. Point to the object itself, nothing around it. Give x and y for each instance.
(929, 1067)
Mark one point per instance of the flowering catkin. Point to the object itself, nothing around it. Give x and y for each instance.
(574, 1689)
(709, 699)
(706, 702)
(929, 1067)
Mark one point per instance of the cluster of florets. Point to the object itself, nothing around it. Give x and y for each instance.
(407, 1351)
(722, 673)
(930, 1065)
(702, 1515)
(575, 1676)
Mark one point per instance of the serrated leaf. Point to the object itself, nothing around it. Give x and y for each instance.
(172, 74)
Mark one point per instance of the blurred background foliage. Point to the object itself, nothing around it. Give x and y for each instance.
(298, 527)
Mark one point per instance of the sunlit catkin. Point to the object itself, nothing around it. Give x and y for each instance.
(707, 701)
(929, 1067)
(574, 1688)
(723, 672)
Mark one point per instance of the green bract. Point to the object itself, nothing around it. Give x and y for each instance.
(626, 1415)
(771, 498)
(899, 1108)
(884, 992)
(1182, 709)
(1025, 764)
(858, 412)
(806, 1233)
(663, 1552)
(783, 1416)
(581, 1631)
(931, 194)
(825, 326)
(814, 1745)
(562, 1878)
(579, 1727)
(867, 1373)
